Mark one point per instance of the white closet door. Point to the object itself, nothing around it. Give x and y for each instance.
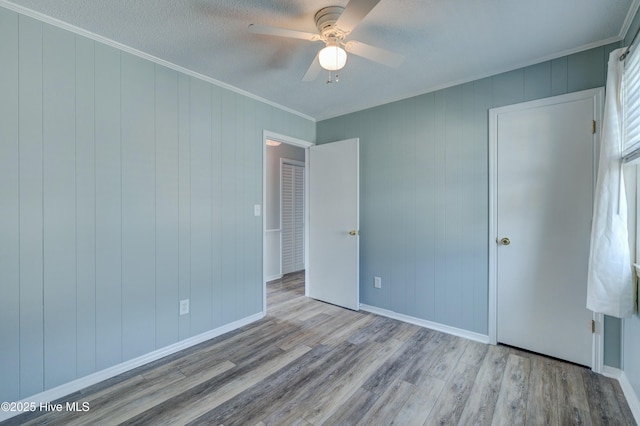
(298, 192)
(543, 200)
(292, 217)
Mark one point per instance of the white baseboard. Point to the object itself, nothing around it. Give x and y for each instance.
(611, 372)
(97, 377)
(482, 338)
(273, 277)
(629, 393)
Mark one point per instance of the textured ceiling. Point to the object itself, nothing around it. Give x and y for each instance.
(444, 41)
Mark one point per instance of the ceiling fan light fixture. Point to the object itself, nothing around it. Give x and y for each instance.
(332, 57)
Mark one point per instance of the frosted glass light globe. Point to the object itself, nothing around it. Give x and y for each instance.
(332, 57)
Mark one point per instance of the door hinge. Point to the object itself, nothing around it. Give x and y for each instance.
(593, 127)
(593, 326)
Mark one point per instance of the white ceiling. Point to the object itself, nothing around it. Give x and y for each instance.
(445, 42)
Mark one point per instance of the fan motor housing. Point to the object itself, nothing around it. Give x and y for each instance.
(326, 19)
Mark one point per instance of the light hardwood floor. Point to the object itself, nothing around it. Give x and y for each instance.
(309, 362)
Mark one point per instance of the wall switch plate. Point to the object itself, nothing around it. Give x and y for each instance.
(184, 307)
(377, 282)
(256, 210)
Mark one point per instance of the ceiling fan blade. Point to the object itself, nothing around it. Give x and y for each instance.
(354, 12)
(375, 54)
(313, 71)
(282, 32)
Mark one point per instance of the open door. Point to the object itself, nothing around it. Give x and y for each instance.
(333, 267)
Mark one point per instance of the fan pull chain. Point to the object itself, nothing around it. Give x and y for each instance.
(332, 79)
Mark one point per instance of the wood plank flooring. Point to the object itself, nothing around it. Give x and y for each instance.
(311, 363)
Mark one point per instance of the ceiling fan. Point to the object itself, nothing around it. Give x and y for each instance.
(334, 24)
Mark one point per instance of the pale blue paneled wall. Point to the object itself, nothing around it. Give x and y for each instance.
(424, 188)
(124, 187)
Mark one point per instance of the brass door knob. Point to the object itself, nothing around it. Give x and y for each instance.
(353, 232)
(505, 241)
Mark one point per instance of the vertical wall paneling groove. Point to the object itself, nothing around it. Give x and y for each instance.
(253, 139)
(201, 272)
(216, 198)
(447, 133)
(85, 208)
(559, 76)
(374, 232)
(537, 81)
(477, 245)
(138, 207)
(411, 218)
(184, 197)
(31, 200)
(213, 252)
(238, 175)
(167, 207)
(255, 136)
(108, 208)
(396, 284)
(586, 69)
(244, 208)
(454, 213)
(244, 205)
(227, 184)
(425, 207)
(467, 158)
(59, 210)
(9, 207)
(441, 237)
(508, 88)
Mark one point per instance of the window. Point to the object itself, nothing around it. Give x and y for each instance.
(631, 107)
(631, 147)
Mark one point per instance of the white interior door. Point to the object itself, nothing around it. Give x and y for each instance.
(543, 203)
(333, 267)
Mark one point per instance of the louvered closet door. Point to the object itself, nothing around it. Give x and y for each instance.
(292, 218)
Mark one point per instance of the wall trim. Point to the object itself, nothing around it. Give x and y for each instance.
(611, 372)
(629, 393)
(124, 48)
(76, 30)
(476, 77)
(273, 277)
(68, 388)
(466, 334)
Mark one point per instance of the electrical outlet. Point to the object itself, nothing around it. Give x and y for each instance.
(184, 307)
(256, 210)
(377, 282)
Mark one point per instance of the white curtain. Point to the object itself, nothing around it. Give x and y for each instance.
(609, 287)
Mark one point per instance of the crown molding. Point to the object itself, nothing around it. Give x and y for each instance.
(128, 49)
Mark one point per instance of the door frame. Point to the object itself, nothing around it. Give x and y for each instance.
(266, 134)
(597, 355)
